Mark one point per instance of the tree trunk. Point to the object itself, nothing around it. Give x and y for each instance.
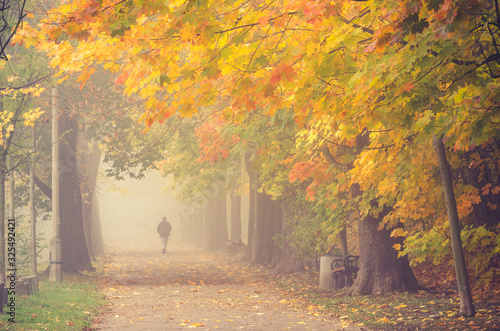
(268, 214)
(95, 229)
(185, 215)
(263, 213)
(235, 217)
(3, 169)
(380, 269)
(288, 263)
(208, 228)
(466, 304)
(88, 162)
(220, 219)
(2, 222)
(278, 232)
(191, 223)
(343, 241)
(75, 256)
(196, 222)
(249, 254)
(12, 189)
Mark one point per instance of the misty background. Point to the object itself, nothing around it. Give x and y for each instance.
(131, 209)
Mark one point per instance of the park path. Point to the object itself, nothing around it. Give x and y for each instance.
(186, 289)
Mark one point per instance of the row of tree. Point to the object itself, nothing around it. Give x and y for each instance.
(26, 98)
(340, 110)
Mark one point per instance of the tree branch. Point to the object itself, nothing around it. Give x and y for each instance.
(44, 188)
(331, 160)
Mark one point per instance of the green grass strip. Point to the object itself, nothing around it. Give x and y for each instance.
(70, 305)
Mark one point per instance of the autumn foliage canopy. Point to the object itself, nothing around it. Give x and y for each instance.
(365, 87)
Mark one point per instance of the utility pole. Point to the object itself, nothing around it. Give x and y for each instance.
(55, 273)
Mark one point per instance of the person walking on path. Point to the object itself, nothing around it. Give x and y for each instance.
(164, 229)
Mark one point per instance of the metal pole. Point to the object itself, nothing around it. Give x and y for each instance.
(55, 244)
(32, 203)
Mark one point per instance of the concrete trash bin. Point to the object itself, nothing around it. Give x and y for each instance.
(326, 281)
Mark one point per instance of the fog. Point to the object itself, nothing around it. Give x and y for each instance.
(131, 209)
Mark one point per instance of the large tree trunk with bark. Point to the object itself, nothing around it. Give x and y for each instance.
(381, 270)
(75, 256)
(207, 227)
(249, 253)
(196, 223)
(88, 161)
(288, 262)
(235, 217)
(278, 231)
(268, 215)
(215, 224)
(191, 223)
(95, 228)
(220, 223)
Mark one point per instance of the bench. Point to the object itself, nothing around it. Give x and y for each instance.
(27, 285)
(348, 267)
(24, 286)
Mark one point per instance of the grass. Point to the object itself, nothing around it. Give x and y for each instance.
(422, 310)
(70, 305)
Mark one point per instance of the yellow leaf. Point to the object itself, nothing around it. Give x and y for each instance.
(384, 320)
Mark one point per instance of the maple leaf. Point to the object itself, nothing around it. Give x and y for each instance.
(408, 87)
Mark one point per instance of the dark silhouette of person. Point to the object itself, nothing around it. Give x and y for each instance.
(164, 229)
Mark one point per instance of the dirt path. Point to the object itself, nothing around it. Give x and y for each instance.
(184, 289)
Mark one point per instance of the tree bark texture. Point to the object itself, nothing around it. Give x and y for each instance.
(220, 223)
(278, 231)
(381, 270)
(466, 304)
(215, 224)
(75, 255)
(288, 262)
(251, 219)
(343, 241)
(207, 227)
(89, 158)
(3, 173)
(191, 223)
(268, 213)
(95, 229)
(235, 217)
